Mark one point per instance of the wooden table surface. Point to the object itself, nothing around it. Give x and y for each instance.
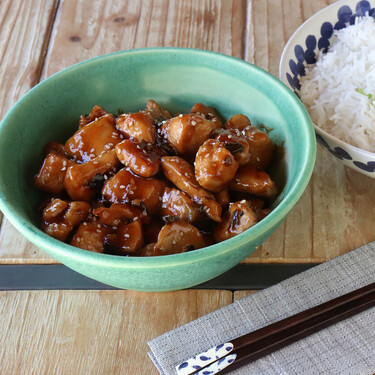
(106, 332)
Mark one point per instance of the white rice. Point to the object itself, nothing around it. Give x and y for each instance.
(335, 90)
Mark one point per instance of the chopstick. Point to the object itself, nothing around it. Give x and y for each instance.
(257, 344)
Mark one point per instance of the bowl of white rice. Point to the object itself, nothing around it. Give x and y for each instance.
(329, 62)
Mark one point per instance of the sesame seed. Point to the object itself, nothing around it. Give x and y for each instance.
(208, 210)
(130, 191)
(92, 150)
(180, 115)
(243, 201)
(78, 239)
(229, 136)
(105, 177)
(95, 162)
(258, 159)
(121, 136)
(138, 147)
(110, 144)
(174, 242)
(92, 155)
(99, 225)
(114, 227)
(99, 231)
(126, 235)
(108, 164)
(136, 218)
(116, 222)
(210, 114)
(193, 123)
(85, 223)
(181, 233)
(64, 163)
(63, 168)
(122, 186)
(187, 174)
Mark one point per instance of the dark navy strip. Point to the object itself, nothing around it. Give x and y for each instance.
(57, 276)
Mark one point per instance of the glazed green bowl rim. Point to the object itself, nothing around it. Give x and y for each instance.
(298, 186)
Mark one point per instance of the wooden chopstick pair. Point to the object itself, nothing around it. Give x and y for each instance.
(264, 341)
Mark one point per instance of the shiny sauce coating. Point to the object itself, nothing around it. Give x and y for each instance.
(150, 183)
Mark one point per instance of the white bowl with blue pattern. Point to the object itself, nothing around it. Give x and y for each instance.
(314, 35)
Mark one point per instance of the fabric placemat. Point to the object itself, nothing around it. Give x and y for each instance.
(346, 348)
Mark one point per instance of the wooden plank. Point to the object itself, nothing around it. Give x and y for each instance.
(85, 29)
(88, 29)
(24, 32)
(242, 294)
(331, 217)
(92, 332)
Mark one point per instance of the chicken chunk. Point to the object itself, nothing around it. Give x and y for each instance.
(215, 166)
(158, 113)
(137, 126)
(250, 180)
(238, 122)
(235, 143)
(239, 217)
(118, 212)
(178, 237)
(223, 197)
(140, 157)
(90, 236)
(208, 113)
(54, 147)
(176, 203)
(187, 132)
(148, 250)
(84, 181)
(127, 239)
(95, 113)
(60, 217)
(261, 148)
(181, 173)
(51, 176)
(93, 139)
(128, 187)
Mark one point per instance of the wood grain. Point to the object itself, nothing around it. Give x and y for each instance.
(332, 216)
(23, 30)
(92, 332)
(88, 29)
(25, 27)
(85, 29)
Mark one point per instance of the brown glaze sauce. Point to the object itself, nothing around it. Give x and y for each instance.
(149, 183)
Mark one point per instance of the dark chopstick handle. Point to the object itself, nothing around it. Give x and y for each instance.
(270, 338)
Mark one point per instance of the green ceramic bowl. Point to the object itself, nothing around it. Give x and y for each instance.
(176, 78)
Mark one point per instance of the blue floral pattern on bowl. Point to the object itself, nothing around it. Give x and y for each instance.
(306, 54)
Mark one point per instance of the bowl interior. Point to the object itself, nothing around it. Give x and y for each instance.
(176, 78)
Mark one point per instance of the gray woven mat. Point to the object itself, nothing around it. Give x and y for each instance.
(347, 348)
